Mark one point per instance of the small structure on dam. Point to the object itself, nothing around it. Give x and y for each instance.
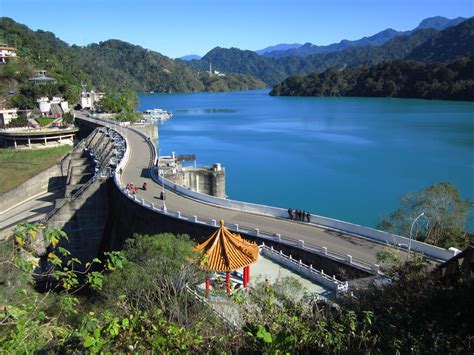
(203, 179)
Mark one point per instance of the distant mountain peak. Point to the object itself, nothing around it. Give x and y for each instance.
(190, 57)
(439, 22)
(278, 47)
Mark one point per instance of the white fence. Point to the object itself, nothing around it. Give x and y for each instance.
(334, 224)
(308, 271)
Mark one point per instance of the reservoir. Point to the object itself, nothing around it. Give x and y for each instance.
(346, 158)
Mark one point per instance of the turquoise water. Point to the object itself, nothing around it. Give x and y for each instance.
(345, 158)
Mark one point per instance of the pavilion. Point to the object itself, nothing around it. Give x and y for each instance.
(226, 252)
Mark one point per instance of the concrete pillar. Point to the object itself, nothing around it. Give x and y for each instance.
(237, 227)
(214, 223)
(29, 142)
(278, 237)
(301, 243)
(14, 143)
(325, 251)
(257, 231)
(195, 219)
(349, 259)
(179, 214)
(45, 141)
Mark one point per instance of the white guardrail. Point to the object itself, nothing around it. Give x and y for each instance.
(334, 224)
(308, 271)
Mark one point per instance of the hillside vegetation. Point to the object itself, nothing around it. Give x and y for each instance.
(110, 66)
(137, 301)
(408, 79)
(424, 44)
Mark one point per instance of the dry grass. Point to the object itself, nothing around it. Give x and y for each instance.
(17, 166)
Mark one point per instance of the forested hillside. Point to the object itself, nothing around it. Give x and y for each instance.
(425, 44)
(401, 78)
(111, 66)
(272, 70)
(449, 44)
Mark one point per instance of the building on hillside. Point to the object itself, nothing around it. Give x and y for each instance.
(6, 53)
(7, 115)
(89, 98)
(40, 77)
(214, 72)
(56, 107)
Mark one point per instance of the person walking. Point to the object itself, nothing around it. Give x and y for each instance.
(290, 213)
(308, 217)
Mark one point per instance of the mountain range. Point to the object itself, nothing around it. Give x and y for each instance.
(115, 65)
(425, 44)
(439, 23)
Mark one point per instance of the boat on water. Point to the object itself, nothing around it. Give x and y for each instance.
(156, 114)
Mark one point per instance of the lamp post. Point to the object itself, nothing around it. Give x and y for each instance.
(411, 231)
(162, 180)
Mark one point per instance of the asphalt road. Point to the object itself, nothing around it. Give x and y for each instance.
(136, 172)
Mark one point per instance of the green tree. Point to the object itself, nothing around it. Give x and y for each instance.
(445, 211)
(155, 275)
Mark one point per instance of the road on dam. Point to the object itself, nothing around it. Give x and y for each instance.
(136, 171)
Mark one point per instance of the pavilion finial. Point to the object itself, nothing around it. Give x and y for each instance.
(221, 222)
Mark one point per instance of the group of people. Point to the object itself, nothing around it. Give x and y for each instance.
(298, 215)
(133, 189)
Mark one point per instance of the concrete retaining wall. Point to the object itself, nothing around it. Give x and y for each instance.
(84, 220)
(48, 180)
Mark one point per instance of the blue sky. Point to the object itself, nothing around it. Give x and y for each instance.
(179, 27)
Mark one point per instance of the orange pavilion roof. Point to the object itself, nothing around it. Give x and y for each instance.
(225, 251)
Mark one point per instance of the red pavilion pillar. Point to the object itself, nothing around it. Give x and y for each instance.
(227, 282)
(208, 283)
(246, 275)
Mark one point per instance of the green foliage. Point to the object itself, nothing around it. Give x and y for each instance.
(44, 121)
(68, 118)
(127, 310)
(20, 121)
(446, 215)
(277, 322)
(155, 273)
(418, 313)
(407, 79)
(33, 321)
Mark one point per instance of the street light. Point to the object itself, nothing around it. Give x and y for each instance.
(411, 231)
(162, 181)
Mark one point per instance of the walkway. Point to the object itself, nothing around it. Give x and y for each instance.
(136, 171)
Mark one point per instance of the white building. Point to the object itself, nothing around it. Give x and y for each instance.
(7, 52)
(56, 107)
(89, 98)
(7, 115)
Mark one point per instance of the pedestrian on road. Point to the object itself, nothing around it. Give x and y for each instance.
(308, 217)
(297, 215)
(144, 186)
(290, 213)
